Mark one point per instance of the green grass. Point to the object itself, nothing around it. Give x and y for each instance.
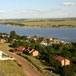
(5, 46)
(11, 68)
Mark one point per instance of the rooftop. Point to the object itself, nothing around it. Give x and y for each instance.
(59, 58)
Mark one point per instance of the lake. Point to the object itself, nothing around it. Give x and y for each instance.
(66, 34)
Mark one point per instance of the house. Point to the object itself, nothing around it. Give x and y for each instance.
(19, 49)
(51, 38)
(55, 41)
(36, 38)
(2, 41)
(15, 40)
(27, 50)
(32, 51)
(0, 54)
(44, 43)
(35, 53)
(4, 56)
(4, 35)
(64, 42)
(62, 60)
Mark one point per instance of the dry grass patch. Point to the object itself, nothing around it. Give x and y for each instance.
(11, 68)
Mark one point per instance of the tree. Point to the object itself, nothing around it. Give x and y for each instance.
(67, 71)
(20, 43)
(24, 38)
(66, 54)
(13, 34)
(15, 45)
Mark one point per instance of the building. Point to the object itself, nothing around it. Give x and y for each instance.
(62, 60)
(56, 41)
(2, 41)
(64, 42)
(27, 50)
(0, 54)
(31, 51)
(36, 38)
(4, 56)
(15, 40)
(51, 38)
(19, 49)
(4, 35)
(35, 53)
(44, 43)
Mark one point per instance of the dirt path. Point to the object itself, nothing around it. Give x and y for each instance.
(27, 68)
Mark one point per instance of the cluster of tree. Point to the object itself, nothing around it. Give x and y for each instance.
(12, 23)
(62, 25)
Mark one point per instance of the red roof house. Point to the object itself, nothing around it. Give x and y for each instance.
(19, 49)
(64, 61)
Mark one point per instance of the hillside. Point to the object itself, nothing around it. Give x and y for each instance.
(41, 23)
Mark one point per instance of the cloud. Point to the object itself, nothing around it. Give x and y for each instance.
(69, 3)
(3, 11)
(29, 11)
(38, 11)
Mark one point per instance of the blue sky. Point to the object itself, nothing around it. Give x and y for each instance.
(15, 9)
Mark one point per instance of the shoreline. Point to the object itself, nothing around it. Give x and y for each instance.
(48, 30)
(33, 26)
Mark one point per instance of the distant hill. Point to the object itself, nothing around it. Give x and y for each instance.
(41, 23)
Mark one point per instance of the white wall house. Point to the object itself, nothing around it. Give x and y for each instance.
(6, 57)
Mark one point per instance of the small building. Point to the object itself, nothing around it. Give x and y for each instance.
(55, 41)
(19, 49)
(4, 56)
(2, 41)
(15, 40)
(31, 51)
(64, 61)
(44, 43)
(51, 38)
(62, 41)
(4, 35)
(35, 38)
(35, 53)
(0, 54)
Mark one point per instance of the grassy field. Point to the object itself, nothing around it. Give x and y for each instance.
(11, 68)
(41, 23)
(5, 46)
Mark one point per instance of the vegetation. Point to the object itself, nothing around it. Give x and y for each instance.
(41, 23)
(5, 46)
(11, 68)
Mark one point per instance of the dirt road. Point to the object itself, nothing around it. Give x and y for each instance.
(27, 68)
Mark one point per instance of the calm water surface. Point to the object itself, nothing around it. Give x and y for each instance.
(66, 34)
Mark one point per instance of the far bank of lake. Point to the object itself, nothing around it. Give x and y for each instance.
(66, 34)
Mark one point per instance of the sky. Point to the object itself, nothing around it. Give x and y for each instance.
(19, 9)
